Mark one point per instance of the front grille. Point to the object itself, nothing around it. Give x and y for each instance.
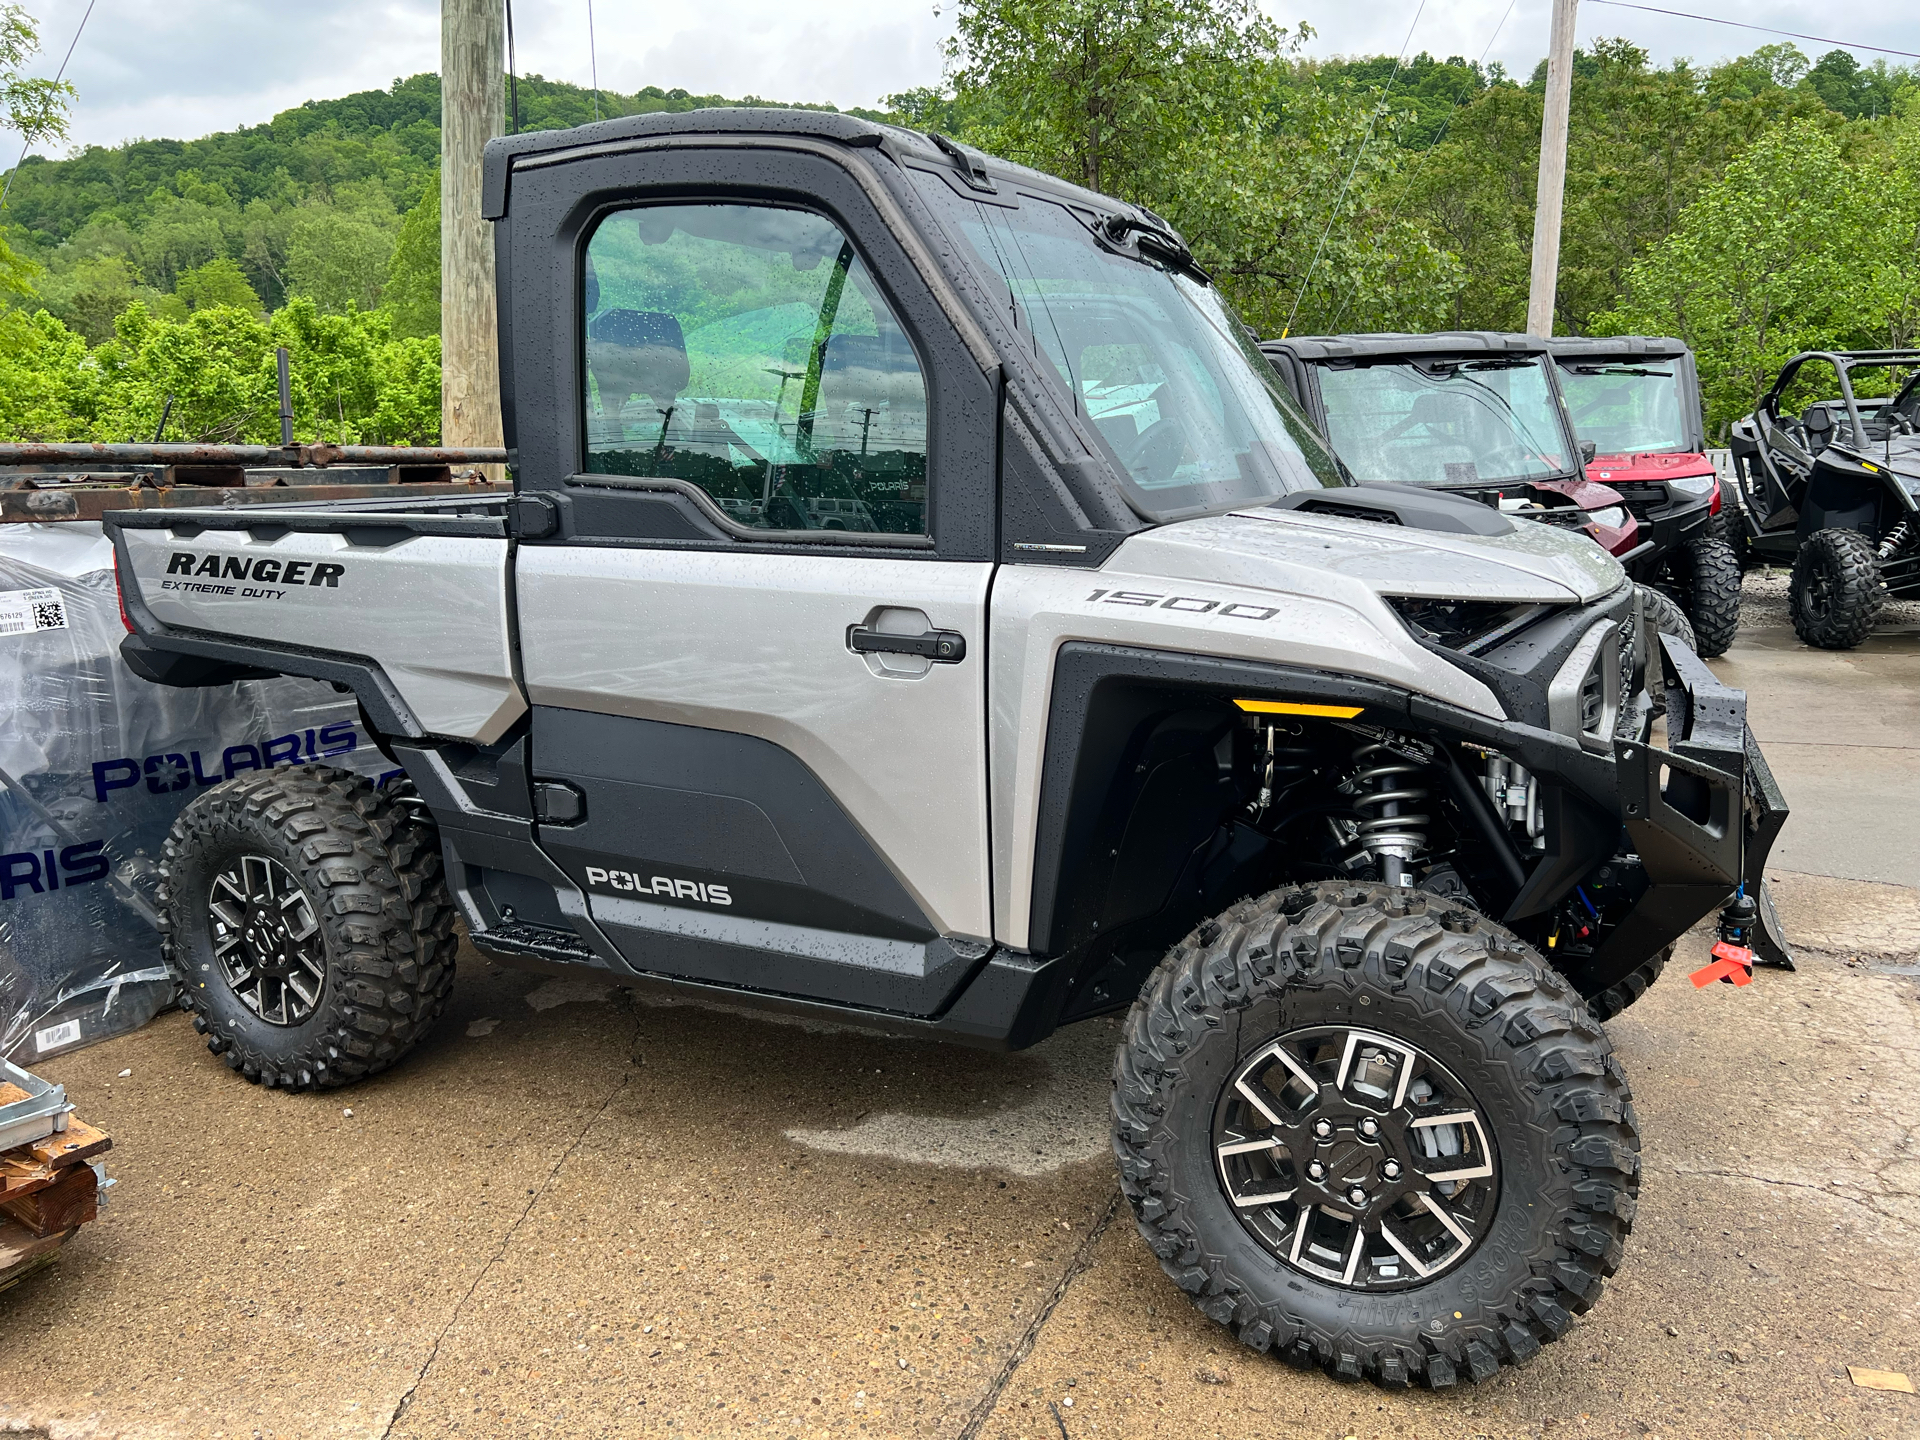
(1641, 497)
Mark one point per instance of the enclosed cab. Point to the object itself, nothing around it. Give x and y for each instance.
(920, 605)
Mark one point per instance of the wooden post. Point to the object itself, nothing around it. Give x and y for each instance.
(1553, 171)
(471, 77)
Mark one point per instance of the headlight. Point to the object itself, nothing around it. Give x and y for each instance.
(1468, 626)
(1696, 486)
(1613, 517)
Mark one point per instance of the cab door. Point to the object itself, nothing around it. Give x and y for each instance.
(755, 642)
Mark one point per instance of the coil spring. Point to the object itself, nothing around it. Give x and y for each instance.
(1380, 789)
(1897, 538)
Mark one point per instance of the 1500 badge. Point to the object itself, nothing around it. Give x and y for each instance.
(662, 885)
(1185, 604)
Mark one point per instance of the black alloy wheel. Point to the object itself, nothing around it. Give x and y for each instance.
(1356, 1158)
(267, 938)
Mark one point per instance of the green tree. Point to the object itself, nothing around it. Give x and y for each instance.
(220, 281)
(337, 259)
(412, 293)
(36, 110)
(1773, 258)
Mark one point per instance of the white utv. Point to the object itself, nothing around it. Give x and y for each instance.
(921, 604)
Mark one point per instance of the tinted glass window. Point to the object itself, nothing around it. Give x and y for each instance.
(1192, 413)
(1624, 408)
(746, 349)
(1451, 423)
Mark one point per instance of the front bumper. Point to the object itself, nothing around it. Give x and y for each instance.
(1667, 523)
(1702, 814)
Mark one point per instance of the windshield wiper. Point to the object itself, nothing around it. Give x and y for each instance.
(1156, 242)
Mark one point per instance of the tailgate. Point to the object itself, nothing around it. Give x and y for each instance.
(417, 602)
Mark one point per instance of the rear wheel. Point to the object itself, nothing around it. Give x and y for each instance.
(1373, 1132)
(305, 920)
(1836, 591)
(1708, 578)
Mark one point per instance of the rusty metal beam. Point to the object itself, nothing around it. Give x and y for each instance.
(249, 456)
(90, 502)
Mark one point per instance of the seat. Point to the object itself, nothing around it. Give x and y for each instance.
(636, 352)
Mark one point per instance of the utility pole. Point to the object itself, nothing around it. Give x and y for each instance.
(471, 77)
(1553, 171)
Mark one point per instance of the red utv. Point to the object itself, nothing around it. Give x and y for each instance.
(1636, 400)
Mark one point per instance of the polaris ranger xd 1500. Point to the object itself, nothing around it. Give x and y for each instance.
(921, 605)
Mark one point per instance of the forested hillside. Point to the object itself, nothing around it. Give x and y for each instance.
(1754, 206)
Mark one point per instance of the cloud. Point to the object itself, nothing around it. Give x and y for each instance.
(188, 67)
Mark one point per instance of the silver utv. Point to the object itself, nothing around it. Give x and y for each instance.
(1110, 692)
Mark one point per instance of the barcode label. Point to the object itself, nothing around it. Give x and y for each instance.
(54, 1036)
(23, 612)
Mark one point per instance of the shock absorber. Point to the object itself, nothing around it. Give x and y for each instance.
(1280, 767)
(1897, 539)
(1382, 790)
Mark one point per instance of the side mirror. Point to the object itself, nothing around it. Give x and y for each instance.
(1588, 449)
(1818, 420)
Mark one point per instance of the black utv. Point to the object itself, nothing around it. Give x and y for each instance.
(1835, 490)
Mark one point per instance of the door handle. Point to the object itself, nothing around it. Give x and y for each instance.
(943, 647)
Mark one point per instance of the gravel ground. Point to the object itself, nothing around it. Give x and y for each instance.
(1763, 602)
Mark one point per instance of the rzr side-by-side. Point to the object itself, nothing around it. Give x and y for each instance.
(1835, 491)
(1482, 414)
(921, 605)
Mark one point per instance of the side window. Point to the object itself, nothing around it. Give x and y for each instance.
(746, 349)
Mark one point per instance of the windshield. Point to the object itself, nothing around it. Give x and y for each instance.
(1449, 422)
(1190, 412)
(1625, 409)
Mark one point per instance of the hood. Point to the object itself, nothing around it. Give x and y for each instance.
(1295, 551)
(1648, 465)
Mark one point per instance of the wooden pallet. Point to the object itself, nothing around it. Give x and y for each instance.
(48, 1190)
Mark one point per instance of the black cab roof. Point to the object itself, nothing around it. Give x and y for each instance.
(1603, 347)
(1390, 344)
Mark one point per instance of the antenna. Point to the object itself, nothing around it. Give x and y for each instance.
(513, 77)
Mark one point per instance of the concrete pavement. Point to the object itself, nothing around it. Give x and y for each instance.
(572, 1213)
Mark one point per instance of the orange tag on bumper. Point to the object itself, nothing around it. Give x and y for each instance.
(1732, 963)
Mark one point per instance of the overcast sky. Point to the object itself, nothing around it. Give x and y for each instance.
(183, 68)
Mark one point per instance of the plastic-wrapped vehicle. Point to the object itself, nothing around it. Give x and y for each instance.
(1835, 491)
(1482, 414)
(1636, 400)
(1123, 700)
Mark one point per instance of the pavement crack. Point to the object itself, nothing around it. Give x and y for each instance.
(1082, 1259)
(499, 1253)
(1865, 1202)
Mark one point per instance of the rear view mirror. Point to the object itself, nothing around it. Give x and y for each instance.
(1818, 420)
(1588, 449)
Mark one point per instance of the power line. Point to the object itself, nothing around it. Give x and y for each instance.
(593, 60)
(1352, 170)
(59, 75)
(513, 76)
(1763, 29)
(1421, 164)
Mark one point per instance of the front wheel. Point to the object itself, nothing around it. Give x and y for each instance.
(1708, 573)
(1836, 590)
(1373, 1132)
(307, 925)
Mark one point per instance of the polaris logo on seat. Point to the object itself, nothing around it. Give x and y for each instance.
(265, 569)
(662, 885)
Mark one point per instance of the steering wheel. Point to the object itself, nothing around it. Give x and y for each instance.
(1158, 450)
